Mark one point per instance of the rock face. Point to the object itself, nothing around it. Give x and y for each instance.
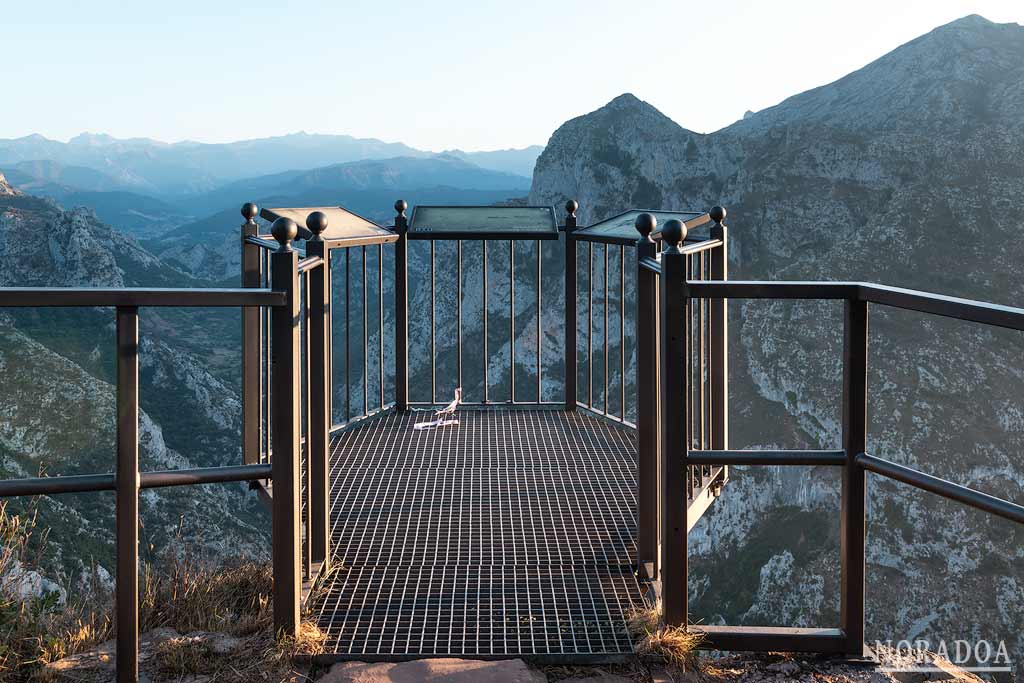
(5, 188)
(907, 172)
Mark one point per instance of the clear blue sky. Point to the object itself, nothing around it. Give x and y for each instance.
(433, 74)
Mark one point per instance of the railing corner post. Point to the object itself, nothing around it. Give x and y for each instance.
(250, 341)
(319, 393)
(852, 524)
(718, 315)
(675, 427)
(127, 495)
(570, 305)
(646, 321)
(285, 411)
(401, 307)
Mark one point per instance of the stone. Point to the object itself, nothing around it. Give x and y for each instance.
(443, 670)
(97, 664)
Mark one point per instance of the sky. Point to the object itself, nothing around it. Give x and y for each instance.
(433, 74)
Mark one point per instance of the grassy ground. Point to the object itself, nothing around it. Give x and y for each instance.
(176, 592)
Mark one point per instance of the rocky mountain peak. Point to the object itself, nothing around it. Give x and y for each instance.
(967, 68)
(6, 189)
(862, 179)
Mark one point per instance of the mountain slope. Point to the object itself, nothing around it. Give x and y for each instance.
(906, 172)
(57, 369)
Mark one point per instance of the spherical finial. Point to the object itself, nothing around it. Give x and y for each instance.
(317, 223)
(571, 206)
(717, 213)
(284, 231)
(249, 211)
(673, 233)
(400, 206)
(645, 224)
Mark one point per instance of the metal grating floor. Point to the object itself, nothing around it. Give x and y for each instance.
(510, 534)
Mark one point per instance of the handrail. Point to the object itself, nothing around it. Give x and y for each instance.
(677, 396)
(40, 297)
(774, 458)
(84, 483)
(941, 304)
(942, 487)
(752, 289)
(969, 310)
(310, 263)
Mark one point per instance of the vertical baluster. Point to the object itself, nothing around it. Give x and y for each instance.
(348, 333)
(512, 317)
(458, 308)
(718, 321)
(401, 307)
(380, 320)
(606, 329)
(366, 338)
(318, 290)
(701, 381)
(622, 332)
(127, 494)
(569, 346)
(590, 325)
(267, 363)
(285, 382)
(487, 360)
(689, 407)
(433, 326)
(250, 342)
(676, 434)
(647, 400)
(540, 284)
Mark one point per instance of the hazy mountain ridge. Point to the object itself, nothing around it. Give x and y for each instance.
(167, 170)
(905, 172)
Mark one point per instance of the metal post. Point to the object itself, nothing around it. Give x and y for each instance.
(127, 483)
(319, 384)
(570, 305)
(719, 333)
(250, 342)
(852, 526)
(646, 401)
(675, 427)
(401, 307)
(285, 411)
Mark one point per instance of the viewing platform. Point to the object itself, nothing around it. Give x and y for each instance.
(557, 492)
(510, 534)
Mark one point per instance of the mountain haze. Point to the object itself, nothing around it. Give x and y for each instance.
(164, 170)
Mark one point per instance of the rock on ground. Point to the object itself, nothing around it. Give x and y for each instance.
(434, 671)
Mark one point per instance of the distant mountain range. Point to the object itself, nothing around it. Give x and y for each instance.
(160, 169)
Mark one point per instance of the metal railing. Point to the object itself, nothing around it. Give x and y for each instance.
(312, 282)
(703, 345)
(611, 299)
(127, 481)
(488, 253)
(292, 318)
(677, 452)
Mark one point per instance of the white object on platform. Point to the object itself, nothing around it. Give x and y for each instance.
(434, 424)
(443, 415)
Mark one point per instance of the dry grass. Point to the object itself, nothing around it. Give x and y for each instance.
(666, 644)
(176, 591)
(35, 631)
